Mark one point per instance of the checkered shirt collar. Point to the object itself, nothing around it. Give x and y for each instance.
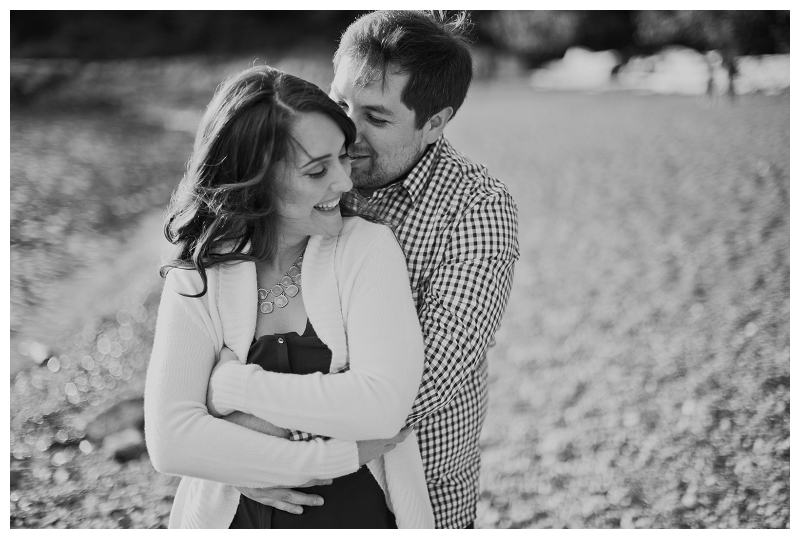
(417, 179)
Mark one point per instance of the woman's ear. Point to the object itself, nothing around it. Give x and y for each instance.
(436, 124)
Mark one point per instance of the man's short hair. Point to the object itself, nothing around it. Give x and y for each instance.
(431, 49)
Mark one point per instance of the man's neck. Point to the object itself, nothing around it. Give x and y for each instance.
(369, 191)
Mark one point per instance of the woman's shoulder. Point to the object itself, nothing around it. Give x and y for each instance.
(356, 230)
(361, 240)
(188, 281)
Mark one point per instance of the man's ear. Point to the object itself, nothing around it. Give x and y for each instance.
(435, 126)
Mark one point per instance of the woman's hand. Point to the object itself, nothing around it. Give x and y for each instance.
(226, 355)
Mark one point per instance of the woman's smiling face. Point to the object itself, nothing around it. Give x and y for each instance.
(315, 181)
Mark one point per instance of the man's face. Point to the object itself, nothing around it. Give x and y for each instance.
(388, 144)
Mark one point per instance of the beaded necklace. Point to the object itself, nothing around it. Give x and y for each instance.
(287, 287)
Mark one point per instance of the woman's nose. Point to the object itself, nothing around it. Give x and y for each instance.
(343, 183)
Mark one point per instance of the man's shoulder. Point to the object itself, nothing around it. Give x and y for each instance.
(464, 179)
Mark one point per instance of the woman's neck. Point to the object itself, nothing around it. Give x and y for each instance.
(289, 250)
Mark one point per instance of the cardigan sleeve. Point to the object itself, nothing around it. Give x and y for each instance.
(183, 439)
(385, 350)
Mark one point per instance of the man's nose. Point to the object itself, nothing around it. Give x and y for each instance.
(358, 124)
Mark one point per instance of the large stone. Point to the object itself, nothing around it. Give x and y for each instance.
(128, 414)
(125, 445)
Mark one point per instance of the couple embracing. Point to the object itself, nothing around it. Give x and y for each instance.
(340, 270)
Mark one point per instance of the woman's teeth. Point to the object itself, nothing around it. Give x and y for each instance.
(327, 206)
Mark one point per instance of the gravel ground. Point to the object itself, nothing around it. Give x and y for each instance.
(641, 376)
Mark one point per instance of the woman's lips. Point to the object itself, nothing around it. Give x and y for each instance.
(328, 206)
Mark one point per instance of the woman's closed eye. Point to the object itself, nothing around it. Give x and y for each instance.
(321, 173)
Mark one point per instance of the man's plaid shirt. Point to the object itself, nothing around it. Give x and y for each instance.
(458, 229)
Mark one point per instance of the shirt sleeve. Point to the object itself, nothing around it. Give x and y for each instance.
(183, 439)
(461, 305)
(385, 350)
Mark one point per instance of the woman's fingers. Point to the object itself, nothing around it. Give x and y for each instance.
(282, 499)
(317, 482)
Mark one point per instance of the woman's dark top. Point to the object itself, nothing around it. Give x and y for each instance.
(352, 501)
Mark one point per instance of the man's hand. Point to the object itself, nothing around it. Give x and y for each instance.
(285, 499)
(369, 450)
(257, 424)
(226, 355)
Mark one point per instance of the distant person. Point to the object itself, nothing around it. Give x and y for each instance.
(714, 62)
(267, 270)
(729, 63)
(401, 76)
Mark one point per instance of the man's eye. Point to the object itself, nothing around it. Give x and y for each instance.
(318, 175)
(342, 104)
(376, 121)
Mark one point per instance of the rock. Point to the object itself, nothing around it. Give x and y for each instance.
(630, 418)
(772, 384)
(39, 353)
(490, 517)
(123, 415)
(743, 466)
(17, 477)
(776, 488)
(132, 452)
(593, 504)
(125, 445)
(626, 522)
(71, 498)
(60, 476)
(125, 522)
(688, 407)
(521, 511)
(615, 495)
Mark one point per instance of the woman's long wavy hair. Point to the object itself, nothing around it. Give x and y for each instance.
(227, 197)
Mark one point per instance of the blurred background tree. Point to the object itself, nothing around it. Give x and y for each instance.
(732, 32)
(536, 36)
(741, 32)
(101, 35)
(542, 35)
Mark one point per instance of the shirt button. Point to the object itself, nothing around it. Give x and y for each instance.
(280, 340)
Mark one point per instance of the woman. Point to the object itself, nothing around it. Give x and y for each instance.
(267, 267)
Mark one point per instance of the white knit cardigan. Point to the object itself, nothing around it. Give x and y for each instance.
(357, 296)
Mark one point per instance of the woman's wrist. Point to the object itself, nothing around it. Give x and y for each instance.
(228, 387)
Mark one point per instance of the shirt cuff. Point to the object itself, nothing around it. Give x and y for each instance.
(229, 387)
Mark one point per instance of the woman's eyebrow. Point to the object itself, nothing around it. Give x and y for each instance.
(314, 160)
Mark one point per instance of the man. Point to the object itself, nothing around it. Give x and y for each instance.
(401, 76)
